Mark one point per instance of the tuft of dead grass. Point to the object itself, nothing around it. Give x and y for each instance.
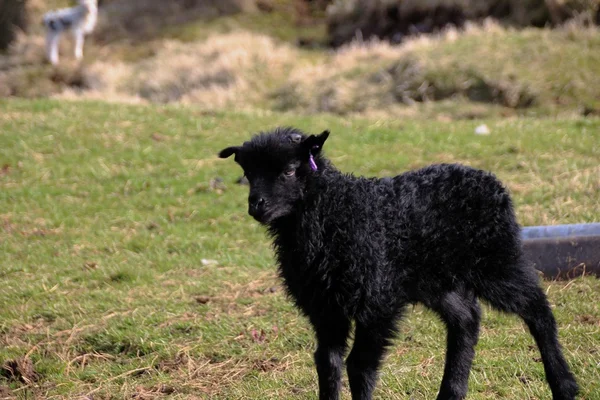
(223, 71)
(232, 70)
(211, 376)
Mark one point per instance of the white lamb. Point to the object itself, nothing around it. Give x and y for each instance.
(80, 20)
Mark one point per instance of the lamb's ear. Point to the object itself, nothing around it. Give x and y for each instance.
(229, 151)
(314, 143)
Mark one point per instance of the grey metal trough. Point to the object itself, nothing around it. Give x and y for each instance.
(563, 251)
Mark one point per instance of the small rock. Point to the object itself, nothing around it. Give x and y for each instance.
(482, 130)
(90, 265)
(217, 184)
(5, 169)
(157, 138)
(242, 181)
(152, 226)
(202, 299)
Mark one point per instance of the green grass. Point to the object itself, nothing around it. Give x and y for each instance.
(280, 24)
(484, 71)
(556, 68)
(109, 225)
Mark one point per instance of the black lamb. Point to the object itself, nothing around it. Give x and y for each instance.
(362, 249)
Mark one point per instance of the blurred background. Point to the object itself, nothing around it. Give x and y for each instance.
(447, 58)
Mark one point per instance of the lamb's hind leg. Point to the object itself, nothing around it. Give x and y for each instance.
(460, 312)
(518, 292)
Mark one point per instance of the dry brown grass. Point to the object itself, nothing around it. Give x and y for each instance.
(480, 69)
(223, 71)
(245, 70)
(234, 70)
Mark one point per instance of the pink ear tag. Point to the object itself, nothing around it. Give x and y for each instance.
(313, 164)
(311, 160)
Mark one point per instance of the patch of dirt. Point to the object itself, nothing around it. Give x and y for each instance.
(14, 335)
(5, 393)
(25, 229)
(7, 225)
(272, 364)
(180, 361)
(20, 369)
(588, 319)
(142, 393)
(40, 232)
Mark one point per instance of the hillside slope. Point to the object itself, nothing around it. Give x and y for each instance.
(251, 61)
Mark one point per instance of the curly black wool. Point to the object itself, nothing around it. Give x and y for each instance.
(362, 249)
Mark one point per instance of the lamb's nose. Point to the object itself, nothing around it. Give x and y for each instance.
(256, 204)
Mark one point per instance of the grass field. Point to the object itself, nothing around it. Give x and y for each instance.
(128, 269)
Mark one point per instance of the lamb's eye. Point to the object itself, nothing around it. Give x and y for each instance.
(289, 172)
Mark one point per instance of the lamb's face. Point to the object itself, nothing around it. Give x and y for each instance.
(276, 184)
(277, 166)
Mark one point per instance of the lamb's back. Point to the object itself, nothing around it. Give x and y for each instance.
(451, 198)
(453, 220)
(434, 214)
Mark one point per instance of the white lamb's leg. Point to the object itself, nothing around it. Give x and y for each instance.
(52, 41)
(79, 39)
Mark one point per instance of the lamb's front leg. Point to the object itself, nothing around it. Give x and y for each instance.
(52, 42)
(332, 334)
(79, 39)
(370, 343)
